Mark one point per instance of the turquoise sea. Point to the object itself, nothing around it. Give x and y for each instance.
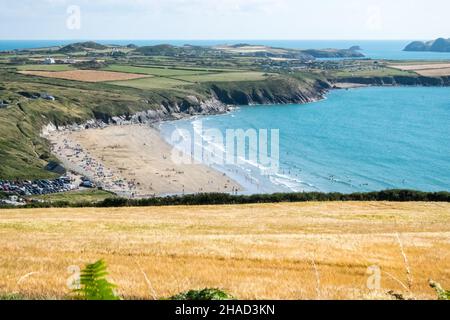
(379, 49)
(356, 140)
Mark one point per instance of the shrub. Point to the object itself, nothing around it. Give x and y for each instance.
(442, 294)
(203, 295)
(94, 285)
(11, 297)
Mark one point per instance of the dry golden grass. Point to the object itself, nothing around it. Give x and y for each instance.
(272, 251)
(86, 75)
(434, 72)
(427, 70)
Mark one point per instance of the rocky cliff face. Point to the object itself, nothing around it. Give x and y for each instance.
(281, 91)
(221, 98)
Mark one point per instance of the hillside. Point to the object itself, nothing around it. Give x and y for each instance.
(24, 153)
(335, 53)
(169, 50)
(309, 54)
(82, 46)
(438, 45)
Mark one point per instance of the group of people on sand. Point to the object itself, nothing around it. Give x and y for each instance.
(86, 164)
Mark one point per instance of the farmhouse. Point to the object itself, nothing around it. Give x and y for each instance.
(49, 61)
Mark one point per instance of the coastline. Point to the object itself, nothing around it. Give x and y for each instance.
(247, 173)
(134, 161)
(232, 179)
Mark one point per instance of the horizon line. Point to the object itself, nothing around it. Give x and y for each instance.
(210, 39)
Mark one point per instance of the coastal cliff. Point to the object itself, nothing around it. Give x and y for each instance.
(218, 98)
(279, 91)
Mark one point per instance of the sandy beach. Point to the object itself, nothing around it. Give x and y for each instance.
(346, 85)
(134, 161)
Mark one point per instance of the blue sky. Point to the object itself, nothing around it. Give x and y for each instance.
(224, 19)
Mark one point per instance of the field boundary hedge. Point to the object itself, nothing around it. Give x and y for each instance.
(227, 199)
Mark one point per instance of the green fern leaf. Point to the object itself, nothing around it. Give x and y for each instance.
(94, 285)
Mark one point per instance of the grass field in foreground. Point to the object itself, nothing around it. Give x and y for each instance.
(272, 251)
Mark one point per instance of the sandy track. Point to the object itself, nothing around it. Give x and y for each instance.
(135, 160)
(86, 75)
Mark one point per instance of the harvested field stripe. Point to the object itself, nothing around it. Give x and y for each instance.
(85, 75)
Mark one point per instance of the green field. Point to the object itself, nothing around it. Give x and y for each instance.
(156, 71)
(151, 83)
(382, 72)
(76, 196)
(44, 67)
(225, 77)
(172, 78)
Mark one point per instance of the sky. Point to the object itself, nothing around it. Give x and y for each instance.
(224, 19)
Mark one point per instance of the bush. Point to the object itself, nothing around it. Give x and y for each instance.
(223, 199)
(203, 295)
(11, 297)
(442, 294)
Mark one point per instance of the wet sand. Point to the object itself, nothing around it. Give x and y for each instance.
(134, 161)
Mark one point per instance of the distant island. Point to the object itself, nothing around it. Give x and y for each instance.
(438, 45)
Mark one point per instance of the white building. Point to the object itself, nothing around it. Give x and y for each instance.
(49, 61)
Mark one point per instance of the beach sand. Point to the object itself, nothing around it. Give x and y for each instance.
(346, 85)
(134, 161)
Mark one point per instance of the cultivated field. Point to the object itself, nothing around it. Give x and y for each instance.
(224, 77)
(151, 82)
(85, 75)
(44, 67)
(170, 78)
(156, 71)
(381, 72)
(427, 70)
(272, 251)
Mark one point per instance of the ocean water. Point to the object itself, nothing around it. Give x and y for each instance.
(354, 141)
(379, 49)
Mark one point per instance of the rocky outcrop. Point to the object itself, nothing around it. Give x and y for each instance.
(438, 45)
(277, 92)
(335, 53)
(168, 110)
